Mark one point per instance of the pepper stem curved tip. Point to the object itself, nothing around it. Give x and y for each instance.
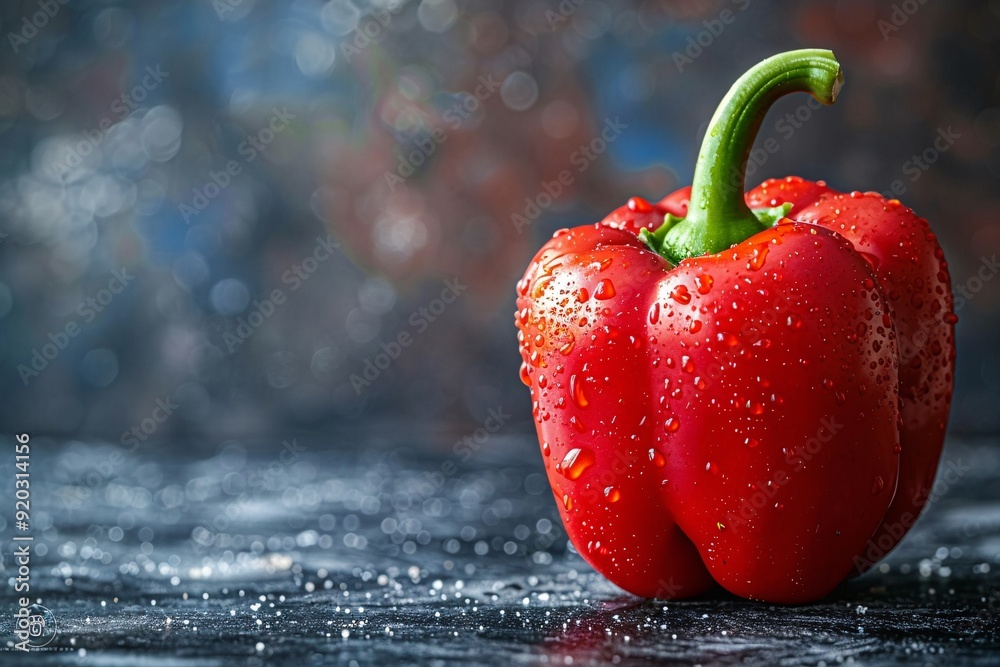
(718, 216)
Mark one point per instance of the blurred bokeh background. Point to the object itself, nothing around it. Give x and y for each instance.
(220, 217)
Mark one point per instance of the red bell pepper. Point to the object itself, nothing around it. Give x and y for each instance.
(743, 389)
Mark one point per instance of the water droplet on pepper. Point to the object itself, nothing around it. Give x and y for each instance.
(878, 485)
(605, 290)
(567, 347)
(730, 339)
(681, 295)
(575, 462)
(576, 389)
(757, 259)
(639, 205)
(654, 313)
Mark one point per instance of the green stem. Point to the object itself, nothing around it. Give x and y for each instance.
(718, 216)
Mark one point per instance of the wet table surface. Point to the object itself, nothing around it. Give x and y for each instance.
(346, 550)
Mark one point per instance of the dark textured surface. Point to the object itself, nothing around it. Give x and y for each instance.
(356, 551)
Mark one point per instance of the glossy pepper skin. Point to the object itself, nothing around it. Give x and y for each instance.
(756, 399)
